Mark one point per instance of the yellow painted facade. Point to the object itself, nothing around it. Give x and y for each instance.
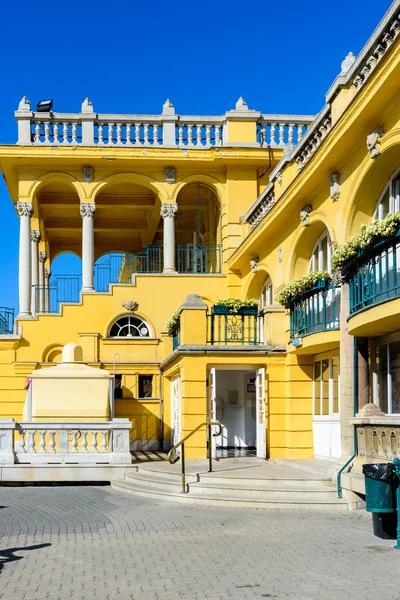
(128, 187)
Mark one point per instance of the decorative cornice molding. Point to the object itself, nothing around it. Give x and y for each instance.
(87, 209)
(25, 209)
(168, 210)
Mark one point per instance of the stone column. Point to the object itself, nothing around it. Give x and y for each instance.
(168, 212)
(346, 377)
(42, 260)
(25, 212)
(88, 210)
(363, 373)
(47, 275)
(35, 238)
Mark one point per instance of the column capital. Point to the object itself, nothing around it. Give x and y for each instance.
(47, 273)
(168, 210)
(87, 209)
(42, 257)
(35, 235)
(25, 209)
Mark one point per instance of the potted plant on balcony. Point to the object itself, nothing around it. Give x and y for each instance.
(235, 306)
(173, 322)
(298, 287)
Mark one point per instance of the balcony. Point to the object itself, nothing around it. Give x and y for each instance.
(314, 312)
(6, 321)
(225, 328)
(374, 289)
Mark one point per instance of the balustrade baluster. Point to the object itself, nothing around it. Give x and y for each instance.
(217, 135)
(299, 133)
(137, 133)
(52, 442)
(42, 442)
(119, 134)
(208, 135)
(94, 441)
(110, 133)
(155, 134)
(37, 132)
(180, 135)
(55, 132)
(74, 126)
(47, 132)
(290, 133)
(104, 441)
(31, 441)
(128, 133)
(281, 134)
(146, 133)
(198, 134)
(84, 441)
(190, 135)
(22, 446)
(101, 133)
(74, 442)
(273, 134)
(65, 132)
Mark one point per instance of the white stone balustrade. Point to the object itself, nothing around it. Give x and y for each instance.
(279, 131)
(65, 443)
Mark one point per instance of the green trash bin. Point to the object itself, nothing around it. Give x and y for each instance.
(380, 487)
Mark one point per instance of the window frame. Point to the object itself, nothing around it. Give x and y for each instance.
(394, 199)
(318, 245)
(319, 358)
(130, 337)
(266, 286)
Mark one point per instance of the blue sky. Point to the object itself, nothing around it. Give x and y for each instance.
(129, 57)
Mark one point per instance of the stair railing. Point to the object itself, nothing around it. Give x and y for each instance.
(173, 460)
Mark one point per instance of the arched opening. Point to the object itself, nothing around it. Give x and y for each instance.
(389, 200)
(312, 251)
(129, 326)
(64, 282)
(320, 259)
(198, 230)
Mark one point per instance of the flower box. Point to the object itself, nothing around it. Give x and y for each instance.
(224, 310)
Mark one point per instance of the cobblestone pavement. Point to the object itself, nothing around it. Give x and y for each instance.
(92, 542)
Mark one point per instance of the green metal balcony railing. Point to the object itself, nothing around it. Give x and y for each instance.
(176, 336)
(118, 267)
(374, 276)
(227, 329)
(199, 259)
(62, 288)
(316, 310)
(6, 320)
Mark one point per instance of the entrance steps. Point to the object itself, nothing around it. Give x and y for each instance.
(242, 483)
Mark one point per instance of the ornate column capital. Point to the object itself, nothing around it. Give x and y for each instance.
(168, 210)
(42, 257)
(47, 273)
(25, 209)
(87, 209)
(35, 235)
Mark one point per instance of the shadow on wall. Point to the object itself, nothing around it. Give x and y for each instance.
(144, 417)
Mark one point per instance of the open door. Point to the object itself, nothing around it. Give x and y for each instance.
(260, 404)
(213, 409)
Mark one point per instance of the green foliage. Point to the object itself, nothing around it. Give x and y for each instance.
(299, 286)
(173, 321)
(235, 304)
(367, 237)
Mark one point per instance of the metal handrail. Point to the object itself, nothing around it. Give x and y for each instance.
(172, 460)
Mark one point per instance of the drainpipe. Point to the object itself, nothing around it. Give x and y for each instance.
(355, 399)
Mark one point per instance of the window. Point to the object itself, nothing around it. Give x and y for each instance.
(387, 364)
(326, 387)
(266, 297)
(321, 255)
(130, 327)
(145, 386)
(389, 202)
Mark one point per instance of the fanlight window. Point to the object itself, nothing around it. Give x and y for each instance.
(266, 297)
(130, 327)
(389, 201)
(321, 255)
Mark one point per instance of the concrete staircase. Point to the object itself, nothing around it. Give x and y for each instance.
(241, 483)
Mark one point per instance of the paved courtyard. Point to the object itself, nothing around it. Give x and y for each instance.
(92, 542)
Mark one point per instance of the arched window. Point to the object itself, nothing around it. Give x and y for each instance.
(130, 327)
(389, 202)
(266, 296)
(321, 255)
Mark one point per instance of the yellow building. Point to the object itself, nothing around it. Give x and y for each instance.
(175, 213)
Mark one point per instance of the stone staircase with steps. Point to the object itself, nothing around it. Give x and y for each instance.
(242, 483)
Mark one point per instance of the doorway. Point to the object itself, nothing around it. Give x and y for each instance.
(238, 403)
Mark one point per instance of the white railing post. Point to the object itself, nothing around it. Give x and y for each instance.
(119, 444)
(169, 120)
(24, 117)
(87, 118)
(7, 428)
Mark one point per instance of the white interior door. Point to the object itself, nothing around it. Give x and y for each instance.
(175, 410)
(213, 409)
(260, 410)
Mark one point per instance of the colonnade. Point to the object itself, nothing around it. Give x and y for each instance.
(34, 278)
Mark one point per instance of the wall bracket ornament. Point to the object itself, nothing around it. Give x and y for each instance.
(254, 263)
(373, 142)
(334, 185)
(305, 211)
(170, 175)
(88, 174)
(130, 305)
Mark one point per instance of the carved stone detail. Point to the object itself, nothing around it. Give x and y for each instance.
(25, 209)
(373, 144)
(88, 173)
(267, 203)
(305, 211)
(87, 209)
(254, 263)
(170, 175)
(280, 255)
(130, 305)
(334, 184)
(47, 273)
(35, 235)
(42, 257)
(168, 210)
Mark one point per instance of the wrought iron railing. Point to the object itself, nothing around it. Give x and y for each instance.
(175, 333)
(62, 288)
(316, 310)
(6, 320)
(199, 259)
(374, 276)
(118, 267)
(227, 329)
